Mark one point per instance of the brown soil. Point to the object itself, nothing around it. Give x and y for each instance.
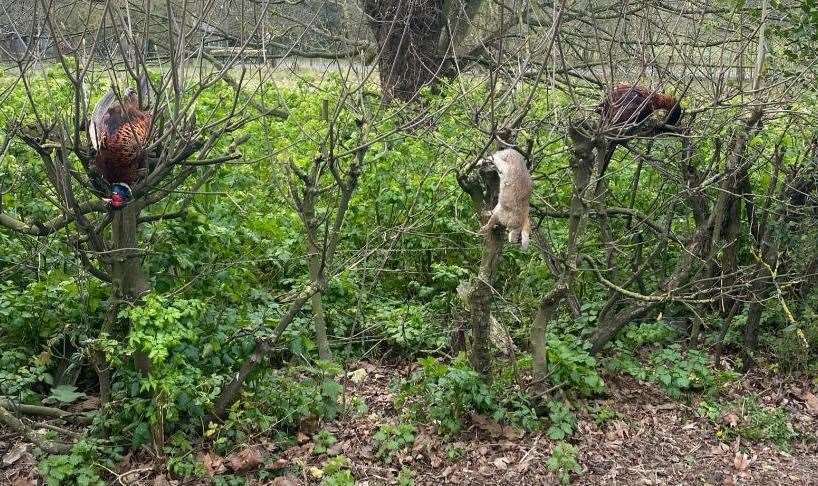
(650, 440)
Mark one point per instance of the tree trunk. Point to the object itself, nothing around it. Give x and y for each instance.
(480, 301)
(539, 328)
(407, 33)
(483, 187)
(130, 284)
(319, 320)
(751, 335)
(582, 165)
(98, 360)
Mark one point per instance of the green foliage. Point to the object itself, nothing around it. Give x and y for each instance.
(19, 373)
(753, 421)
(409, 326)
(563, 461)
(391, 439)
(336, 472)
(224, 272)
(64, 394)
(572, 365)
(678, 371)
(30, 316)
(454, 453)
(406, 477)
(182, 459)
(80, 466)
(228, 480)
(635, 336)
(179, 388)
(358, 406)
(340, 478)
(37, 320)
(65, 469)
(323, 440)
(279, 400)
(447, 394)
(604, 414)
(674, 369)
(796, 346)
(563, 421)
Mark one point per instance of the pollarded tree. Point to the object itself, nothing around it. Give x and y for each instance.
(416, 40)
(102, 172)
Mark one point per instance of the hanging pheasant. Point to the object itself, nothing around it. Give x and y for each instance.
(627, 106)
(119, 132)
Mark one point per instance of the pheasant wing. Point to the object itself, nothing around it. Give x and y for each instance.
(95, 127)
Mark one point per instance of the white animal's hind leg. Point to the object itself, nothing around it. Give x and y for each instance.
(524, 240)
(513, 235)
(490, 224)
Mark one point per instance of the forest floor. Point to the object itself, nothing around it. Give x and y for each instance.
(649, 439)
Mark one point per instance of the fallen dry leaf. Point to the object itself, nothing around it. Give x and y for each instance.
(812, 403)
(245, 460)
(731, 419)
(315, 472)
(134, 477)
(161, 480)
(335, 449)
(212, 463)
(716, 450)
(23, 482)
(513, 433)
(87, 405)
(309, 424)
(501, 463)
(486, 424)
(495, 429)
(302, 438)
(284, 481)
(15, 454)
(618, 430)
(741, 462)
(357, 376)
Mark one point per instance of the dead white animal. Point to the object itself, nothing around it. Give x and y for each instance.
(511, 210)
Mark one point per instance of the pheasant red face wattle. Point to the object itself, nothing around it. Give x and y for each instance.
(119, 132)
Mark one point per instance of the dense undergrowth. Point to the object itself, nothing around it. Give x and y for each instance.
(222, 275)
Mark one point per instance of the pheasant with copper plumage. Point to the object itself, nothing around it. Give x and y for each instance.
(627, 106)
(119, 130)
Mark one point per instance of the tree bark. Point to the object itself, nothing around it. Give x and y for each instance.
(586, 151)
(407, 33)
(480, 301)
(319, 320)
(130, 284)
